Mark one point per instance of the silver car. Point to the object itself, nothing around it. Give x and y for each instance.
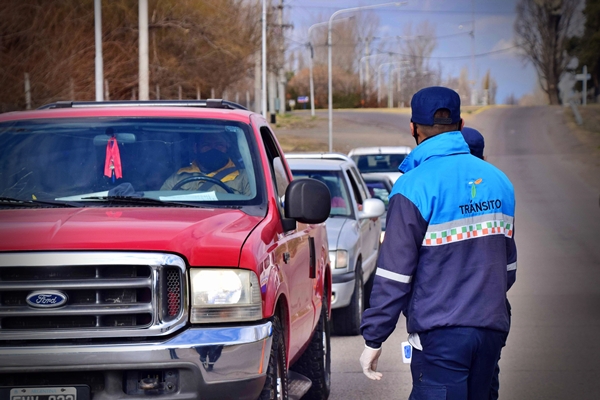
(381, 160)
(353, 231)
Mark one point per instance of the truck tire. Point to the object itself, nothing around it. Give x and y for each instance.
(276, 384)
(346, 321)
(315, 362)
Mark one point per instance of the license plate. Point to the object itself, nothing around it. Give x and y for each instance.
(43, 393)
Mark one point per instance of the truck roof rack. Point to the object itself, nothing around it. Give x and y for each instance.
(208, 103)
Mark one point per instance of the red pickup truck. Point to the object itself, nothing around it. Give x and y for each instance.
(158, 249)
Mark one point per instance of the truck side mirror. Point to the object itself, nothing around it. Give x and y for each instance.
(307, 201)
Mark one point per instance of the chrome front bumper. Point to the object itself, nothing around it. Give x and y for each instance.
(209, 363)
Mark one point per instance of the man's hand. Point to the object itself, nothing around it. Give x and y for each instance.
(368, 362)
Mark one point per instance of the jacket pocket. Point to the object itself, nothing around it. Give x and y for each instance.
(428, 393)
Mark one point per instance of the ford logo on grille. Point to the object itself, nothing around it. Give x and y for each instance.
(46, 299)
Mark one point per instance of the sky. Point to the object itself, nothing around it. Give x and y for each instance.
(453, 19)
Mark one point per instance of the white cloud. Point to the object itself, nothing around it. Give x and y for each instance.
(502, 44)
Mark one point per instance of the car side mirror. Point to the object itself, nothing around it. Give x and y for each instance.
(307, 201)
(372, 208)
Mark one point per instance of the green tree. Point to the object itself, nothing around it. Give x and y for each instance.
(587, 47)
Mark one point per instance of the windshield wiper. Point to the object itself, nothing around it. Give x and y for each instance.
(33, 203)
(138, 201)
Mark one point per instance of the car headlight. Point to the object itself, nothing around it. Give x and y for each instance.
(338, 258)
(224, 295)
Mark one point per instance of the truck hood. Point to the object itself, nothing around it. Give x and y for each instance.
(204, 236)
(334, 226)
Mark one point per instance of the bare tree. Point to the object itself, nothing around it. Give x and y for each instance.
(542, 29)
(489, 87)
(416, 48)
(511, 100)
(193, 45)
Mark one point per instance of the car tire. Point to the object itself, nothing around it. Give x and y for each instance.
(346, 321)
(315, 362)
(276, 383)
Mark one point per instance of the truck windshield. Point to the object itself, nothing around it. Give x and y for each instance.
(93, 160)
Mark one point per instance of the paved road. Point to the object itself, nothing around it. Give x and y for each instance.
(553, 350)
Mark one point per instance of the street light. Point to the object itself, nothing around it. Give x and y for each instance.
(330, 88)
(310, 65)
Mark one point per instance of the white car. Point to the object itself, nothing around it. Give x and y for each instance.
(353, 232)
(383, 159)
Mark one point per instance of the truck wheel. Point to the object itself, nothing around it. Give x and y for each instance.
(315, 362)
(276, 384)
(346, 321)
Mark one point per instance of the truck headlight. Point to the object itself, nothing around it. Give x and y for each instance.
(224, 295)
(338, 258)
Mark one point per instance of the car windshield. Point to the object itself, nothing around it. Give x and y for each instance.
(378, 162)
(341, 204)
(90, 161)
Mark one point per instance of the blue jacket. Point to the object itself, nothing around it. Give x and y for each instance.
(448, 256)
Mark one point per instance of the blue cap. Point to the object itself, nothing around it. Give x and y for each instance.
(427, 101)
(475, 141)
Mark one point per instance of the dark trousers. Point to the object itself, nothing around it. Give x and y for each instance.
(494, 394)
(457, 363)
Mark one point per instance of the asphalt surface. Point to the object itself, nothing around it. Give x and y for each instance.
(553, 349)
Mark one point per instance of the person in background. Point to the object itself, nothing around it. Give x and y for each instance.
(476, 144)
(213, 161)
(447, 260)
(395, 161)
(475, 141)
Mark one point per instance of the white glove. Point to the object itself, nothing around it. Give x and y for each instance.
(368, 362)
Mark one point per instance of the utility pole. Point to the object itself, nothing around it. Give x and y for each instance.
(474, 82)
(390, 92)
(272, 94)
(264, 60)
(99, 67)
(27, 92)
(281, 77)
(143, 49)
(367, 82)
(257, 83)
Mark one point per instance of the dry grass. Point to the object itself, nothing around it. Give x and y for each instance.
(294, 121)
(589, 131)
(290, 143)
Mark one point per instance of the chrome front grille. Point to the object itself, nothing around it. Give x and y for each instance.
(90, 294)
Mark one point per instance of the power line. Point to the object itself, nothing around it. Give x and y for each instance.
(414, 11)
(458, 57)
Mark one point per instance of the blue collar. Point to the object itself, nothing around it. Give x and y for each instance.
(444, 144)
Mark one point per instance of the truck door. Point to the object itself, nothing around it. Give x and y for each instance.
(292, 255)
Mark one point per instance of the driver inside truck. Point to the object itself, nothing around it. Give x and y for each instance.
(212, 168)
